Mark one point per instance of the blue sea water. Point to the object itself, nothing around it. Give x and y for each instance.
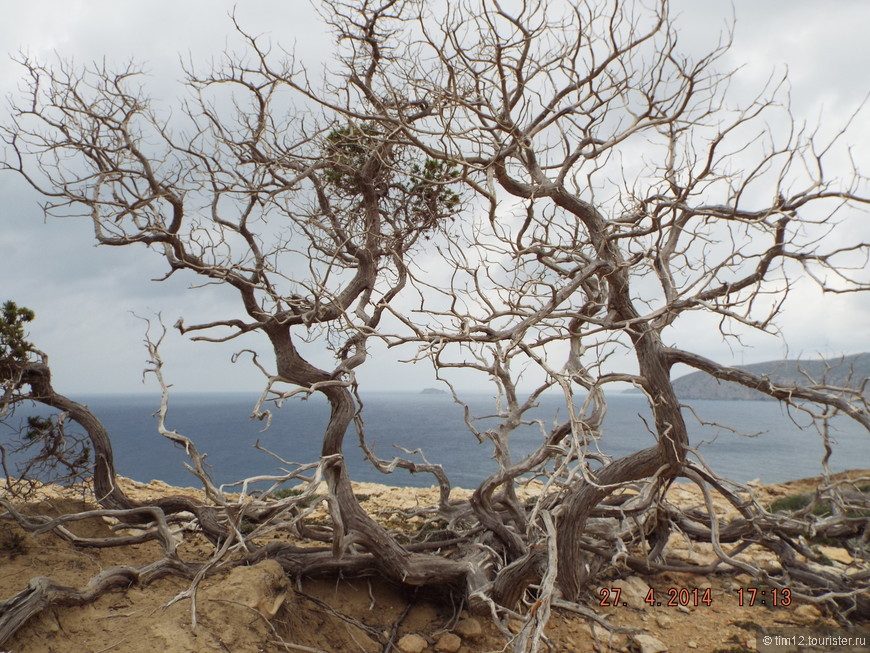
(220, 426)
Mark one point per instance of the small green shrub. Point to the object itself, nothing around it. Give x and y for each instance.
(13, 543)
(791, 503)
(283, 493)
(247, 527)
(795, 502)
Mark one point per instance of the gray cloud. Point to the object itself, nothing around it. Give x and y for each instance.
(84, 296)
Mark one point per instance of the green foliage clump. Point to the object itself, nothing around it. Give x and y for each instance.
(795, 502)
(414, 195)
(430, 197)
(347, 149)
(56, 444)
(285, 492)
(13, 342)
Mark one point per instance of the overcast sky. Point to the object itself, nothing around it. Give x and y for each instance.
(85, 297)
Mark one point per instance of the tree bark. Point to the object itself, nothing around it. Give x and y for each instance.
(580, 502)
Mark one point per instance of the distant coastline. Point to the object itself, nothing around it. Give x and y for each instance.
(844, 372)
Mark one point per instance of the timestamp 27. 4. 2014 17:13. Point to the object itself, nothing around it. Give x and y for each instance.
(682, 596)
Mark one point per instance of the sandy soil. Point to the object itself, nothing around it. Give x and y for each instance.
(252, 609)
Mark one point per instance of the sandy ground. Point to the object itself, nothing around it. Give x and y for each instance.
(252, 609)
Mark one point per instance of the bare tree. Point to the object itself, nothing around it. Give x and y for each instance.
(588, 188)
(554, 111)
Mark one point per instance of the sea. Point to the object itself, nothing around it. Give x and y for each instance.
(763, 440)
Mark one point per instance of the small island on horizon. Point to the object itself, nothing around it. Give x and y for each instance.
(432, 391)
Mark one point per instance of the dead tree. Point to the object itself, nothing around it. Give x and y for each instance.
(589, 189)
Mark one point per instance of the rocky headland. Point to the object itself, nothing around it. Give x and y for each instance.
(256, 608)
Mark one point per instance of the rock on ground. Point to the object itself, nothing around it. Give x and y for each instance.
(632, 591)
(470, 628)
(448, 643)
(412, 644)
(648, 644)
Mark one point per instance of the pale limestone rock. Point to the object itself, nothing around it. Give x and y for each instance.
(692, 643)
(600, 633)
(448, 643)
(412, 644)
(663, 620)
(837, 554)
(515, 625)
(263, 587)
(807, 612)
(470, 628)
(649, 644)
(606, 640)
(633, 591)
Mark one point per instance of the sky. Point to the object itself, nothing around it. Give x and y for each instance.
(87, 299)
